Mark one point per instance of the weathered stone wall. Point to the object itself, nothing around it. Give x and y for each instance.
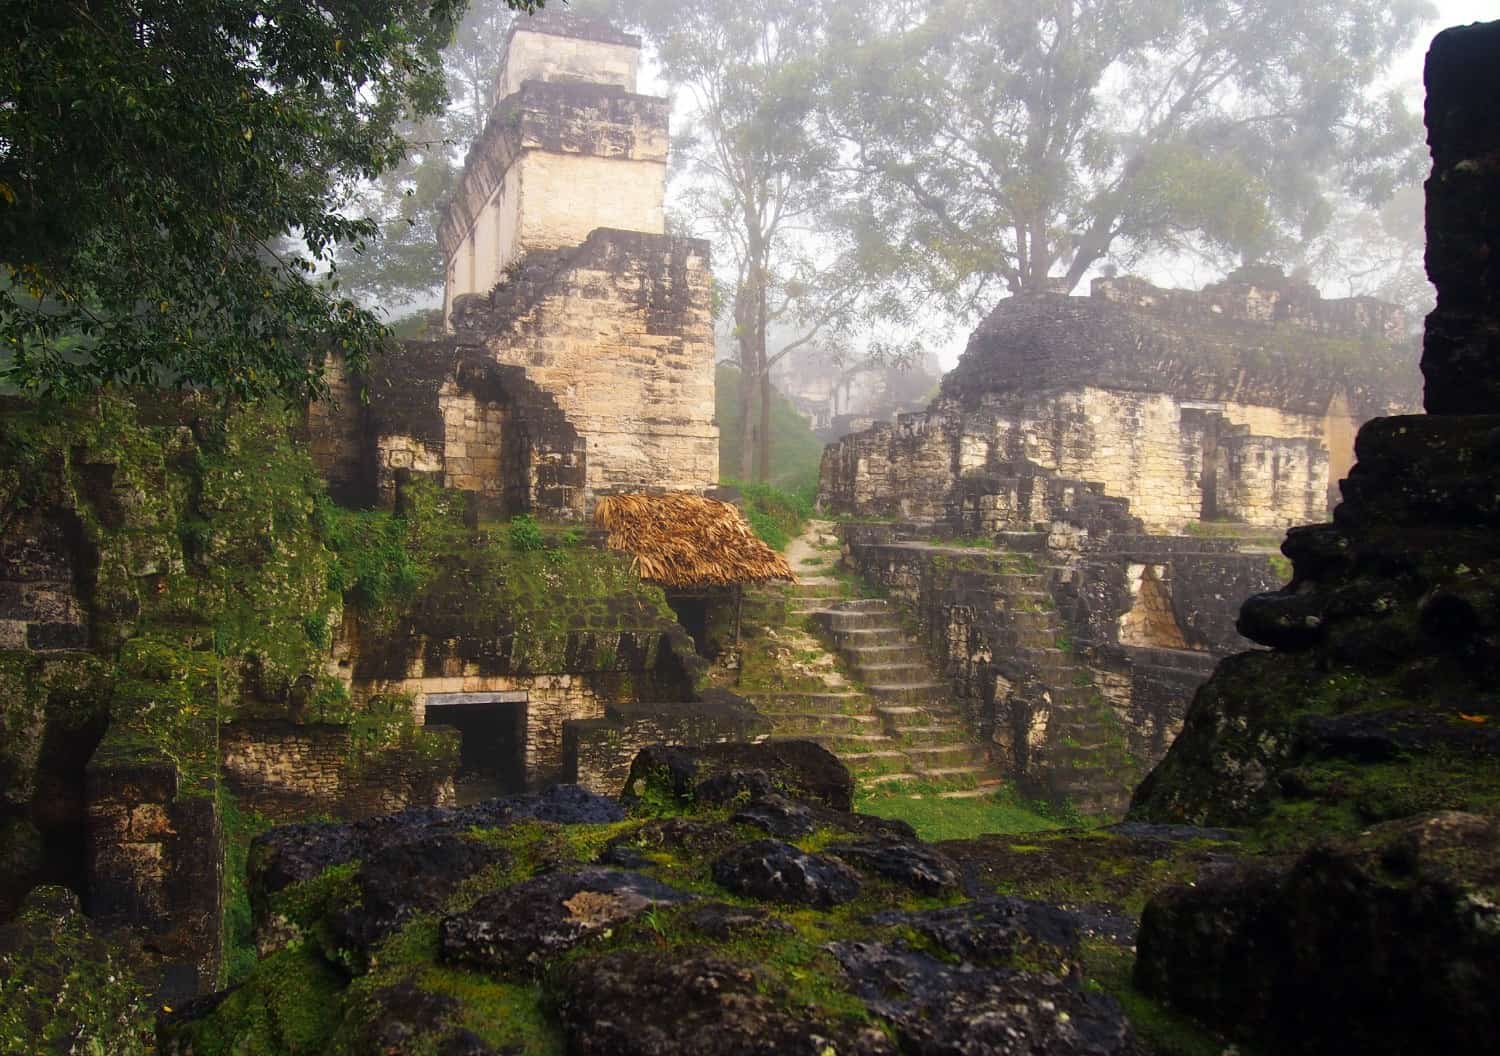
(618, 332)
(288, 772)
(510, 200)
(40, 609)
(1077, 649)
(448, 412)
(559, 46)
(597, 753)
(1365, 738)
(1237, 403)
(155, 863)
(552, 700)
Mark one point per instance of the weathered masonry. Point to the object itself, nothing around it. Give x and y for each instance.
(1237, 403)
(1113, 470)
(578, 357)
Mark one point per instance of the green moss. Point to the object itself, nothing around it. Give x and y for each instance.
(935, 818)
(240, 826)
(63, 989)
(283, 1009)
(1107, 969)
(510, 1017)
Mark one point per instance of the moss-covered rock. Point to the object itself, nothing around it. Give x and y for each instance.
(65, 988)
(1383, 943)
(605, 932)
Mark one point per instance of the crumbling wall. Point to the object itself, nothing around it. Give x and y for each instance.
(555, 161)
(1237, 403)
(446, 412)
(597, 753)
(291, 771)
(617, 331)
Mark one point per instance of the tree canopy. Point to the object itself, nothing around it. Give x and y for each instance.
(1016, 144)
(172, 174)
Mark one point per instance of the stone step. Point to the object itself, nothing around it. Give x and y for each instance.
(817, 588)
(848, 620)
(885, 761)
(968, 776)
(822, 722)
(899, 778)
(849, 746)
(986, 787)
(771, 702)
(897, 715)
(947, 756)
(909, 693)
(869, 636)
(866, 656)
(930, 735)
(884, 674)
(864, 605)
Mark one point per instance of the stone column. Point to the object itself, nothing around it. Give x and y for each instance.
(1461, 349)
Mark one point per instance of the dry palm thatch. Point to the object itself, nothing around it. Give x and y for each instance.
(687, 541)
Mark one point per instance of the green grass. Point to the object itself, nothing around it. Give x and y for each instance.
(775, 514)
(954, 819)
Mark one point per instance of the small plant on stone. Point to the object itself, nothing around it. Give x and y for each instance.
(525, 534)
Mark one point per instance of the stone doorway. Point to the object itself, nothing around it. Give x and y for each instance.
(492, 741)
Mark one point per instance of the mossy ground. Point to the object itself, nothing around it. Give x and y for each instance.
(935, 818)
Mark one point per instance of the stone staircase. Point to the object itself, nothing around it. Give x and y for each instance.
(879, 707)
(1034, 650)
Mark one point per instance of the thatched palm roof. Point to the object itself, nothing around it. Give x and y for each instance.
(687, 541)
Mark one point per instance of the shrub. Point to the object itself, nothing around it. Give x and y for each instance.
(525, 534)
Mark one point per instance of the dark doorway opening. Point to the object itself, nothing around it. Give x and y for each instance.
(692, 613)
(492, 741)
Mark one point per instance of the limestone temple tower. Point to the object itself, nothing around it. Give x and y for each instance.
(569, 147)
(578, 352)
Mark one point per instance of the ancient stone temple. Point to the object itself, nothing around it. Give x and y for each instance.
(1237, 403)
(1101, 479)
(579, 353)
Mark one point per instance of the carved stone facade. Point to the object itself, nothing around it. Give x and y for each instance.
(1076, 452)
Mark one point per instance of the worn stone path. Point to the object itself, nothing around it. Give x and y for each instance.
(841, 670)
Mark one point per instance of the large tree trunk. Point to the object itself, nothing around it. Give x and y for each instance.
(744, 324)
(763, 449)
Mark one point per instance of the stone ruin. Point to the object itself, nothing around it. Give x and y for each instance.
(579, 351)
(1097, 485)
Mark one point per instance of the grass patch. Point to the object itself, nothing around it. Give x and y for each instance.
(775, 514)
(240, 827)
(955, 819)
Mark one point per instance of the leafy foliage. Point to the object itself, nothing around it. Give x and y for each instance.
(403, 265)
(159, 158)
(524, 533)
(1019, 143)
(776, 515)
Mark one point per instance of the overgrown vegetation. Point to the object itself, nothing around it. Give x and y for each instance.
(776, 514)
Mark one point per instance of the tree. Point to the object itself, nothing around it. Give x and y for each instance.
(1019, 143)
(152, 154)
(403, 266)
(757, 170)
